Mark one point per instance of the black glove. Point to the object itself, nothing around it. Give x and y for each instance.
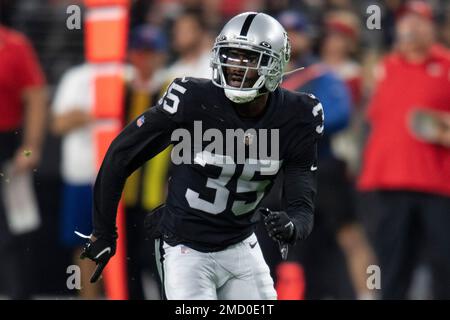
(99, 251)
(279, 225)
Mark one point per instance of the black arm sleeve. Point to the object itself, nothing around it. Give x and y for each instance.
(138, 142)
(300, 187)
(300, 183)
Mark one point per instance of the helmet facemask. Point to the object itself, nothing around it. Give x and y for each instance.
(242, 59)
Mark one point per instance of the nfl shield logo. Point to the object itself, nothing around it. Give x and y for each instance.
(140, 121)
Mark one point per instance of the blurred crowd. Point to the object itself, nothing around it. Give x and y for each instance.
(384, 162)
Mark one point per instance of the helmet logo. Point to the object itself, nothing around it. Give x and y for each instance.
(265, 44)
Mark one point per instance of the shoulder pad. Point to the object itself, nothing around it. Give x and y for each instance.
(311, 111)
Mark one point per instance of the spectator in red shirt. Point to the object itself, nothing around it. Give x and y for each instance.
(23, 98)
(407, 179)
(23, 104)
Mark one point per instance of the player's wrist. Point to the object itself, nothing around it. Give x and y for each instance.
(292, 238)
(289, 232)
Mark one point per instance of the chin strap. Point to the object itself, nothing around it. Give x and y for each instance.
(241, 96)
(292, 71)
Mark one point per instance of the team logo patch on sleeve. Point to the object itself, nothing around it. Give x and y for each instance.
(140, 121)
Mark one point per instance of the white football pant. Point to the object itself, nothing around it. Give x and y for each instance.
(238, 272)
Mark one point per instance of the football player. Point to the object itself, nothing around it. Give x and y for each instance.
(205, 232)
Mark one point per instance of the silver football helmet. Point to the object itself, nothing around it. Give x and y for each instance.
(250, 41)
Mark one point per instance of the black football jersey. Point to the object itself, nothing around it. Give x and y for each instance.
(223, 164)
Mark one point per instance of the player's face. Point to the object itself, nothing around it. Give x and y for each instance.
(240, 58)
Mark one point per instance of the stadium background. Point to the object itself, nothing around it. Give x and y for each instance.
(58, 48)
